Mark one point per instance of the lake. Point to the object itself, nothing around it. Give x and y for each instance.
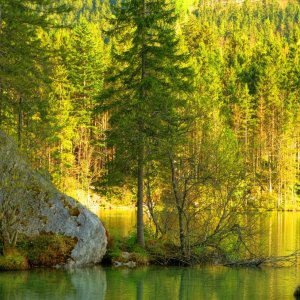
(282, 236)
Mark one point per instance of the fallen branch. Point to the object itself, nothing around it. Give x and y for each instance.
(255, 262)
(273, 261)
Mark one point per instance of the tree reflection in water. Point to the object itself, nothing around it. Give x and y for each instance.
(48, 284)
(152, 283)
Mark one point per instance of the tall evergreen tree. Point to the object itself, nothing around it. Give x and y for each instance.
(146, 90)
(23, 59)
(85, 63)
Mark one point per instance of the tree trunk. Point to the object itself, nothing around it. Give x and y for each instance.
(150, 206)
(20, 122)
(141, 151)
(181, 230)
(1, 100)
(179, 206)
(140, 197)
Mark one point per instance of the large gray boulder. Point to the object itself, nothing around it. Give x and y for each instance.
(43, 209)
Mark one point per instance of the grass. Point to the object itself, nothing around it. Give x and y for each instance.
(13, 260)
(47, 249)
(13, 263)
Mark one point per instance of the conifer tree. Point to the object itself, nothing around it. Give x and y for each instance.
(85, 64)
(147, 88)
(23, 60)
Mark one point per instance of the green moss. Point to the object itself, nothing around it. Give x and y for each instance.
(13, 262)
(47, 249)
(73, 210)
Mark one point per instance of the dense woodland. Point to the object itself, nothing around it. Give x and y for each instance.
(191, 106)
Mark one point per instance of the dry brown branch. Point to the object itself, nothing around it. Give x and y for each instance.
(273, 261)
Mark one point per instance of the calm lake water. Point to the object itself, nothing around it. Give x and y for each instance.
(282, 236)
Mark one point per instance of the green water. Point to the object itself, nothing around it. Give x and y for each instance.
(118, 222)
(150, 283)
(282, 235)
(280, 231)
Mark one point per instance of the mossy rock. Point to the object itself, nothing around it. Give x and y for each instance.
(40, 208)
(47, 249)
(73, 210)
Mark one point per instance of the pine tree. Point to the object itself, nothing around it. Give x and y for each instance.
(62, 130)
(147, 88)
(23, 60)
(85, 64)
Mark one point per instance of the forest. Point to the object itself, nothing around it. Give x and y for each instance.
(188, 110)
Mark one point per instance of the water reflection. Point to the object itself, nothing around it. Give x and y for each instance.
(53, 284)
(280, 231)
(201, 283)
(280, 235)
(118, 222)
(212, 283)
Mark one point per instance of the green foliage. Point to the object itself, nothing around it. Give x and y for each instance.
(145, 92)
(128, 245)
(47, 249)
(13, 262)
(24, 65)
(141, 98)
(246, 69)
(164, 98)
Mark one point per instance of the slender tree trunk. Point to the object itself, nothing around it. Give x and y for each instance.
(150, 206)
(140, 197)
(1, 103)
(20, 122)
(270, 173)
(181, 230)
(141, 151)
(179, 206)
